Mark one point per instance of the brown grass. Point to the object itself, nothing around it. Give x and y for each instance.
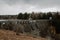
(10, 35)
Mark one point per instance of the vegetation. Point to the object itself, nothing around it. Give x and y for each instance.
(56, 22)
(23, 16)
(36, 16)
(20, 16)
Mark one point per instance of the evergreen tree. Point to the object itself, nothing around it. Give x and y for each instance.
(56, 22)
(25, 15)
(44, 16)
(20, 16)
(49, 14)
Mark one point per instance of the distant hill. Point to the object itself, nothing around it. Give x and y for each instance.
(8, 16)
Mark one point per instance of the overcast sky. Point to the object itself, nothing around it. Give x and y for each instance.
(16, 6)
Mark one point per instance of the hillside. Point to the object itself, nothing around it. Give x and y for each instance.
(10, 35)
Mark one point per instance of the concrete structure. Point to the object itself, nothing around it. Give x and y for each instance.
(34, 27)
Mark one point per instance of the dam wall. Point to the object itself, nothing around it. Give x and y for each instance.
(33, 27)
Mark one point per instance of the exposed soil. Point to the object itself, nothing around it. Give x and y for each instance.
(10, 35)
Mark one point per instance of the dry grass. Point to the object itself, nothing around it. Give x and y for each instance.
(10, 35)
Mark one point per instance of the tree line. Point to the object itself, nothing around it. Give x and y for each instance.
(36, 16)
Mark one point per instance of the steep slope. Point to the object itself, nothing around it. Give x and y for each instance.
(10, 35)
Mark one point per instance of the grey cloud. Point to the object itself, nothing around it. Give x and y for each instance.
(10, 2)
(42, 3)
(16, 6)
(34, 2)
